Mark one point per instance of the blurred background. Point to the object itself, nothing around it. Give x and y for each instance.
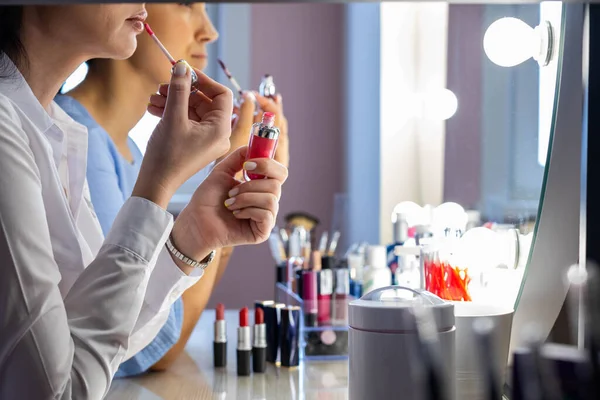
(386, 103)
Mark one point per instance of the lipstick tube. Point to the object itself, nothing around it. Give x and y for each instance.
(244, 345)
(289, 337)
(272, 320)
(263, 142)
(259, 345)
(309, 296)
(340, 298)
(220, 339)
(325, 290)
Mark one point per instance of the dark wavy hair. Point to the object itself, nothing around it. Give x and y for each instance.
(11, 22)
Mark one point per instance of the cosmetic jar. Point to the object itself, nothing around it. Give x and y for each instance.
(385, 349)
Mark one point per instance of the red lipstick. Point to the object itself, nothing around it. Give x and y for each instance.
(244, 345)
(259, 348)
(263, 142)
(220, 340)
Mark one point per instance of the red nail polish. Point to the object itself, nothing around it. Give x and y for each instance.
(263, 142)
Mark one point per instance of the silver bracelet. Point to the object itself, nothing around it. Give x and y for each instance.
(188, 261)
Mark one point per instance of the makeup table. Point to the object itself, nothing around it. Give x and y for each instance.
(194, 377)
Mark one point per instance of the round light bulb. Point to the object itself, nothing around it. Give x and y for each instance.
(440, 104)
(509, 42)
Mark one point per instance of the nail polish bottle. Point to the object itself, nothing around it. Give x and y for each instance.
(263, 142)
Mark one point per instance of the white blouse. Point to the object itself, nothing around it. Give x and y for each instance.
(73, 304)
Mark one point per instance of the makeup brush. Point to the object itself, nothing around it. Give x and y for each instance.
(277, 250)
(334, 242)
(323, 242)
(229, 76)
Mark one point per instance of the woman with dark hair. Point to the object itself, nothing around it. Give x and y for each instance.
(110, 109)
(74, 303)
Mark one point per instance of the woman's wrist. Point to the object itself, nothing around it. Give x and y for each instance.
(153, 191)
(188, 246)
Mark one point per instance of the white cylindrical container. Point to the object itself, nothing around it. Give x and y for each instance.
(384, 345)
(377, 275)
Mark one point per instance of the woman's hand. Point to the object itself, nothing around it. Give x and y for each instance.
(225, 212)
(194, 131)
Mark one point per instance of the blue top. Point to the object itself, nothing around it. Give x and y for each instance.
(111, 179)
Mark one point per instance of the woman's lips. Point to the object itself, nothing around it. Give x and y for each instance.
(137, 21)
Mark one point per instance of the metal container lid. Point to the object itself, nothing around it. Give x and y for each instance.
(389, 310)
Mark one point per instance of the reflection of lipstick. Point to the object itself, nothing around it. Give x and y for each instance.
(244, 345)
(220, 341)
(259, 348)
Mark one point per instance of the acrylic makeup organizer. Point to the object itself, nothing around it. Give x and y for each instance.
(319, 343)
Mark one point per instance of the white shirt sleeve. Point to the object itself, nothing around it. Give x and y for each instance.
(52, 348)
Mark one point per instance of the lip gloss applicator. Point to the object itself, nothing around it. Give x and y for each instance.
(259, 348)
(244, 345)
(173, 61)
(229, 76)
(220, 340)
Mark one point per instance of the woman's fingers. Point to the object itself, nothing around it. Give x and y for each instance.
(263, 218)
(265, 201)
(272, 186)
(267, 167)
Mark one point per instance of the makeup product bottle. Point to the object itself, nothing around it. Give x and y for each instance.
(356, 264)
(289, 338)
(263, 142)
(309, 296)
(340, 299)
(259, 346)
(400, 236)
(295, 263)
(220, 340)
(272, 320)
(244, 345)
(377, 275)
(324, 292)
(267, 87)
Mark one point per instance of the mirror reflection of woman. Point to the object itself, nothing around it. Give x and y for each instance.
(75, 303)
(110, 102)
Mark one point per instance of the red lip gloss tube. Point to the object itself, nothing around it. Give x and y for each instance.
(309, 295)
(220, 341)
(325, 291)
(244, 345)
(263, 142)
(259, 347)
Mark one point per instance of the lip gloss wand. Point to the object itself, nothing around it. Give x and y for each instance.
(173, 62)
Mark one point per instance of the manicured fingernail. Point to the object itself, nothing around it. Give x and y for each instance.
(236, 212)
(249, 166)
(229, 202)
(180, 69)
(233, 192)
(149, 104)
(249, 96)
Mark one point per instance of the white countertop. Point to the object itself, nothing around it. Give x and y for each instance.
(194, 377)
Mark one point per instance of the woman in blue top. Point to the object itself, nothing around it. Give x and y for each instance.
(110, 102)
